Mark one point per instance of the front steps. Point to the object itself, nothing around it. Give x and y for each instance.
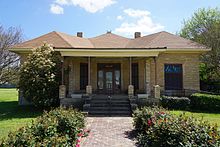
(104, 105)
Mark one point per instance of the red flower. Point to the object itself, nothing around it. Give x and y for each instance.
(162, 113)
(80, 134)
(149, 122)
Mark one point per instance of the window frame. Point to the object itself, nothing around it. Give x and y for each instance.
(179, 75)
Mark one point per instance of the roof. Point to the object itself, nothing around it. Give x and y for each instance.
(112, 41)
(109, 40)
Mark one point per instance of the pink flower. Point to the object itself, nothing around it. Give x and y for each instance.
(77, 145)
(78, 140)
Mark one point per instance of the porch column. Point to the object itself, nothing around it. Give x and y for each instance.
(89, 86)
(130, 86)
(71, 78)
(89, 71)
(130, 71)
(147, 77)
(62, 87)
(62, 71)
(155, 76)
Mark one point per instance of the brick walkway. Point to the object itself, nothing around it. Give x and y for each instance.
(109, 132)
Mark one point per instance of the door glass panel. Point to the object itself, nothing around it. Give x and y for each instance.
(100, 79)
(108, 80)
(117, 79)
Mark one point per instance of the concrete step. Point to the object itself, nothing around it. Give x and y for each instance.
(118, 101)
(107, 113)
(110, 108)
(107, 105)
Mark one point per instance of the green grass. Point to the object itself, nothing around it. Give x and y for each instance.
(212, 118)
(13, 116)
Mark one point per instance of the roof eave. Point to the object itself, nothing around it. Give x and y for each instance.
(187, 50)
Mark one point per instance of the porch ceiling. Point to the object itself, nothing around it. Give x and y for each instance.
(110, 52)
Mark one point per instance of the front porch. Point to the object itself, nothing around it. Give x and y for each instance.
(108, 86)
(98, 75)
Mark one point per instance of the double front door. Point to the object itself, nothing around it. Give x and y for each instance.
(109, 78)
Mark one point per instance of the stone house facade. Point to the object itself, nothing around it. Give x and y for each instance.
(112, 64)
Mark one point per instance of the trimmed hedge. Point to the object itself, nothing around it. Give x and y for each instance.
(59, 127)
(205, 102)
(177, 103)
(156, 127)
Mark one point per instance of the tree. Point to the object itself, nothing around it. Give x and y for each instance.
(204, 27)
(9, 62)
(40, 76)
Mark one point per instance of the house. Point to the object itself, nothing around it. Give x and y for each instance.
(112, 64)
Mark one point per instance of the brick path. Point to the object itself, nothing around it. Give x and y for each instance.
(109, 132)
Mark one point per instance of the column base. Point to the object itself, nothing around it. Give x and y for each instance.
(62, 91)
(89, 89)
(156, 91)
(130, 90)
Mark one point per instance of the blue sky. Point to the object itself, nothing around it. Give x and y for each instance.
(95, 17)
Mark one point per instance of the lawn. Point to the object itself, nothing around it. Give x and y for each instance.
(213, 118)
(13, 116)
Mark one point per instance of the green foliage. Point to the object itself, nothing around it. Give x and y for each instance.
(177, 103)
(59, 127)
(205, 102)
(156, 127)
(40, 76)
(204, 27)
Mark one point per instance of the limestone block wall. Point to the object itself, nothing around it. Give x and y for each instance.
(190, 65)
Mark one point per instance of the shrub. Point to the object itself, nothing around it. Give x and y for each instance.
(40, 76)
(156, 127)
(59, 127)
(205, 102)
(179, 103)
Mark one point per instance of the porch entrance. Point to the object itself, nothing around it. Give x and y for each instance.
(109, 78)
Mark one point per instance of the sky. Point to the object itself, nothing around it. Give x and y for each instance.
(95, 17)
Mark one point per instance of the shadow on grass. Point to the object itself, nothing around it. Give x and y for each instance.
(11, 110)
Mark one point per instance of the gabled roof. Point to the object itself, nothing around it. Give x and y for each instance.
(109, 40)
(58, 40)
(163, 39)
(112, 41)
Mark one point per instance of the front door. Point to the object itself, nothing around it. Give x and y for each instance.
(109, 78)
(109, 82)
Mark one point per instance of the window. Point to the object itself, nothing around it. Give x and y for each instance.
(173, 76)
(83, 76)
(135, 79)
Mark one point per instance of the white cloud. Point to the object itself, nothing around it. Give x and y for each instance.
(119, 17)
(56, 9)
(62, 2)
(91, 6)
(141, 22)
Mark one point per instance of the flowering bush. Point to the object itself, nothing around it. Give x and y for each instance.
(156, 127)
(59, 127)
(40, 76)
